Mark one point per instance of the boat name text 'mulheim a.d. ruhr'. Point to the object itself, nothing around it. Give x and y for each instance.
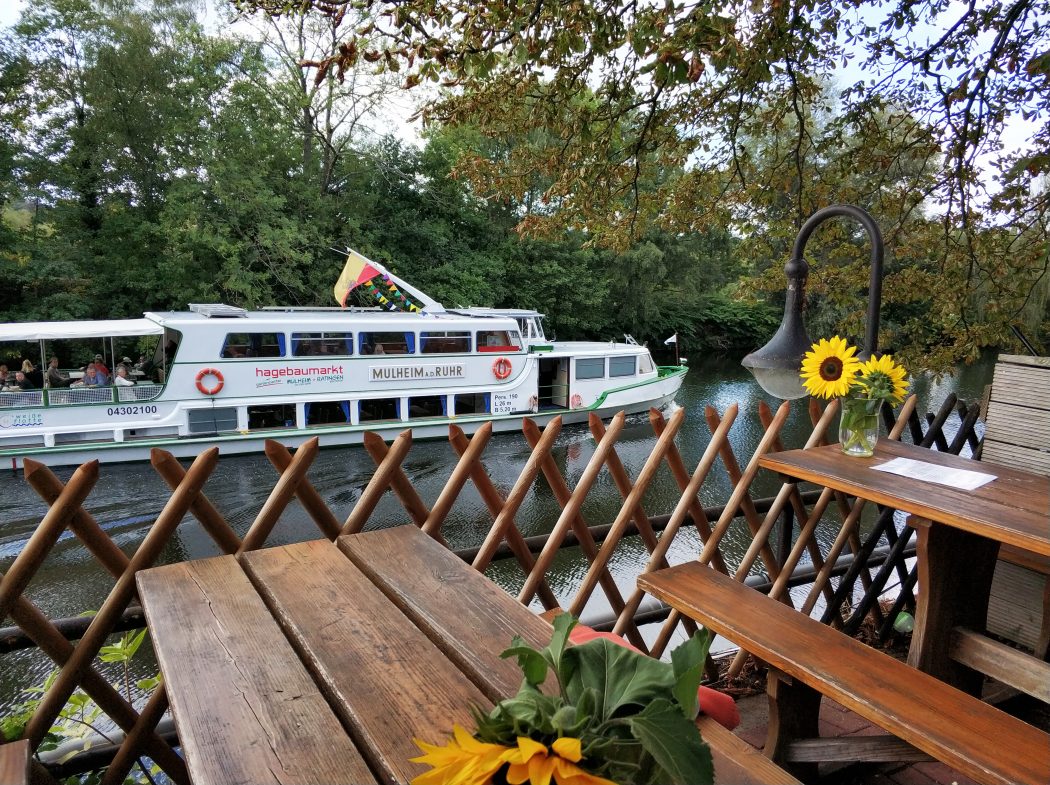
(221, 375)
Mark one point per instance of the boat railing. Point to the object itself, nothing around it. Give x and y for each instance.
(19, 400)
(139, 392)
(72, 396)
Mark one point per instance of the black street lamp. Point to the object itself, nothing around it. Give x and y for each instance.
(776, 365)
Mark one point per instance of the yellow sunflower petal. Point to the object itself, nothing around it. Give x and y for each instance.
(566, 773)
(568, 748)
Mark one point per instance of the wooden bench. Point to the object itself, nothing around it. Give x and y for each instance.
(1017, 434)
(15, 759)
(947, 724)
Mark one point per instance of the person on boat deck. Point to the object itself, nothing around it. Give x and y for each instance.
(3, 375)
(35, 377)
(55, 377)
(92, 378)
(140, 365)
(21, 382)
(122, 379)
(101, 366)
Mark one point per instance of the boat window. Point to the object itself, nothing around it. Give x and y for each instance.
(322, 344)
(387, 343)
(645, 364)
(498, 341)
(278, 415)
(444, 343)
(621, 366)
(427, 406)
(590, 368)
(380, 409)
(472, 403)
(327, 412)
(212, 420)
(253, 345)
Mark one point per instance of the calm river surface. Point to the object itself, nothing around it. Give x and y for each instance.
(128, 497)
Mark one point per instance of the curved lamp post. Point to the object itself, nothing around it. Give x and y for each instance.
(776, 365)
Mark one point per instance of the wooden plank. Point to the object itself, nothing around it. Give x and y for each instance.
(14, 762)
(1003, 663)
(1026, 426)
(384, 678)
(1015, 604)
(1005, 454)
(851, 749)
(1024, 359)
(246, 709)
(468, 617)
(1010, 509)
(736, 761)
(905, 702)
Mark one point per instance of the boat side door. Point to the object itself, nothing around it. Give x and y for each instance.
(554, 382)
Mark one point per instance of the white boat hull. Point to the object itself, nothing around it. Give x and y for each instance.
(658, 394)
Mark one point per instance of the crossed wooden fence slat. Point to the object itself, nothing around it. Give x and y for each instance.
(66, 511)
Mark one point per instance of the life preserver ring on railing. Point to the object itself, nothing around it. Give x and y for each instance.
(501, 368)
(219, 381)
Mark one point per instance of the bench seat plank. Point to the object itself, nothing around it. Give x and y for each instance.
(14, 762)
(269, 723)
(386, 680)
(958, 729)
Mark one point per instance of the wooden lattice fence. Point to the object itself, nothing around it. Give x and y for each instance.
(779, 552)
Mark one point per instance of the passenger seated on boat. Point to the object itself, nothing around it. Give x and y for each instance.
(20, 382)
(101, 367)
(3, 375)
(35, 377)
(55, 377)
(122, 379)
(91, 378)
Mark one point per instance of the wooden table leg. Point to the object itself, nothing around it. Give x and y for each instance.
(955, 578)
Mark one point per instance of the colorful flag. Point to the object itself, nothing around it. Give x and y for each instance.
(356, 272)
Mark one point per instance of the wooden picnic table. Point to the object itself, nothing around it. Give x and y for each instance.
(959, 535)
(320, 662)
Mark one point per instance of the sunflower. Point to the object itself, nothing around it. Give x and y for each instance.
(884, 379)
(533, 763)
(463, 761)
(830, 368)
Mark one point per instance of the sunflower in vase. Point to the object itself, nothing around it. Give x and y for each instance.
(831, 369)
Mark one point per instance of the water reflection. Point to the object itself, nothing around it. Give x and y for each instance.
(128, 498)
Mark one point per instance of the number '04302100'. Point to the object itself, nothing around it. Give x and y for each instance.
(124, 411)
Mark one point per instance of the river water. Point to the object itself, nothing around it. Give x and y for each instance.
(128, 498)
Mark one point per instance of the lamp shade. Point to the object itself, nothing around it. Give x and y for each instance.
(776, 365)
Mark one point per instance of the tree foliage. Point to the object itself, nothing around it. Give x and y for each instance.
(685, 116)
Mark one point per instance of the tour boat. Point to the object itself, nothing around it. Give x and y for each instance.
(221, 375)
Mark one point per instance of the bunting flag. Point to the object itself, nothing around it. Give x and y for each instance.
(356, 272)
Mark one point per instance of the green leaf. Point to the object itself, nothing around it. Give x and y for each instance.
(674, 742)
(532, 663)
(688, 661)
(621, 677)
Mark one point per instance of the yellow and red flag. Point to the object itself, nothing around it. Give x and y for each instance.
(356, 271)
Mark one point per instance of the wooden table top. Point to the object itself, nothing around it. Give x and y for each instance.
(320, 662)
(1014, 508)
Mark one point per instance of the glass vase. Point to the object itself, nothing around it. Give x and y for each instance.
(859, 426)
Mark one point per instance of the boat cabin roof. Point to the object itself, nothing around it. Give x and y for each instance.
(307, 320)
(96, 328)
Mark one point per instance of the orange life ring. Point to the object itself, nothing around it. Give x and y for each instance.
(501, 368)
(219, 381)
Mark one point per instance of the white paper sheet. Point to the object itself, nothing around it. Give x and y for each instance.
(931, 472)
